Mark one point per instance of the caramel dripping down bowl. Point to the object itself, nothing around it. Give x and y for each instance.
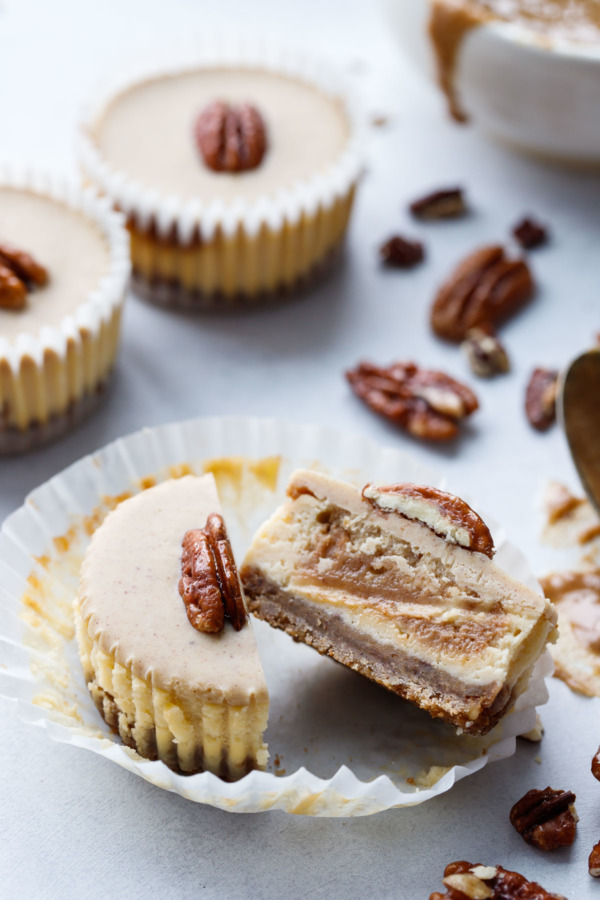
(538, 93)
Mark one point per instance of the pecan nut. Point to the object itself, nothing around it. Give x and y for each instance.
(596, 765)
(231, 138)
(446, 515)
(484, 289)
(13, 293)
(426, 403)
(445, 204)
(23, 265)
(540, 398)
(594, 861)
(465, 881)
(485, 354)
(401, 253)
(235, 608)
(546, 819)
(529, 234)
(18, 272)
(209, 585)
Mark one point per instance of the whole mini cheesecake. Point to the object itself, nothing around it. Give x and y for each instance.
(63, 272)
(166, 645)
(237, 175)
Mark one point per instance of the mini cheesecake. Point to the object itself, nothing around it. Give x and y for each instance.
(175, 675)
(398, 583)
(237, 178)
(63, 274)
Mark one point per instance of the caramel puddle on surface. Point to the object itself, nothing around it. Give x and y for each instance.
(572, 523)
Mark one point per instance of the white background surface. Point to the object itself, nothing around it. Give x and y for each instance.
(76, 826)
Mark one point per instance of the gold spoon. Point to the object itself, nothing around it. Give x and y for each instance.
(579, 411)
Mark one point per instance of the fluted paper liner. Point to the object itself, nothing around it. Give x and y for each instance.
(341, 745)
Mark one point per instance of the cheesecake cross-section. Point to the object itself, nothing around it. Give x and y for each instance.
(194, 699)
(399, 583)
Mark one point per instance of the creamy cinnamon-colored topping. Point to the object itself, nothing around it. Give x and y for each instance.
(147, 132)
(72, 249)
(577, 595)
(129, 597)
(452, 20)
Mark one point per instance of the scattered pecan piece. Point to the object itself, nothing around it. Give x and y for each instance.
(23, 265)
(485, 354)
(231, 138)
(465, 881)
(447, 515)
(596, 765)
(209, 584)
(427, 404)
(13, 293)
(445, 204)
(546, 819)
(594, 861)
(401, 253)
(530, 234)
(485, 288)
(540, 398)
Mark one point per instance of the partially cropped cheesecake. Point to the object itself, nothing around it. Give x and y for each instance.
(166, 645)
(398, 583)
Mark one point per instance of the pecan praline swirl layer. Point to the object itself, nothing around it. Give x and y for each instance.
(231, 138)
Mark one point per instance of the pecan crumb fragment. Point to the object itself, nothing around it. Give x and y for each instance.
(540, 398)
(596, 765)
(447, 515)
(19, 272)
(530, 234)
(465, 881)
(401, 253)
(231, 138)
(209, 585)
(483, 289)
(425, 403)
(594, 861)
(546, 819)
(485, 353)
(448, 203)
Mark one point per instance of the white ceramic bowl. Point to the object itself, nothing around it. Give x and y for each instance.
(540, 96)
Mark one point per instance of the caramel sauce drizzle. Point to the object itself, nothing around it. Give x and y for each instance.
(577, 595)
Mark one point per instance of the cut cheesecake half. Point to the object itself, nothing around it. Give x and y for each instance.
(167, 648)
(398, 583)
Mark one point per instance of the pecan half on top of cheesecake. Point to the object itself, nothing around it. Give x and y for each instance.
(166, 645)
(398, 583)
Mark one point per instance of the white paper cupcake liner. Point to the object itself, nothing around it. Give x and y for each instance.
(340, 745)
(187, 217)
